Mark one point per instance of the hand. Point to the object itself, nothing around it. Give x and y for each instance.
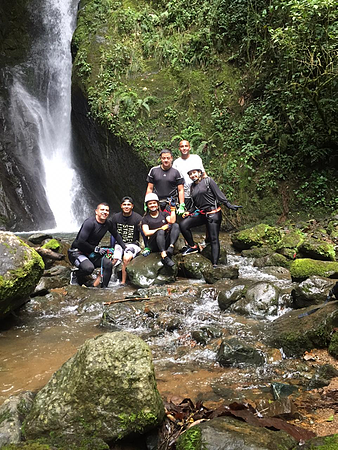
(181, 208)
(100, 250)
(185, 214)
(172, 202)
(235, 207)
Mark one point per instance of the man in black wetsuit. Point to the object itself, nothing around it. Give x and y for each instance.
(85, 252)
(166, 182)
(127, 222)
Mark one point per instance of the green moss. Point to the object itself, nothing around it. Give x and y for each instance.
(318, 250)
(304, 268)
(333, 347)
(52, 244)
(137, 423)
(256, 236)
(190, 440)
(5, 415)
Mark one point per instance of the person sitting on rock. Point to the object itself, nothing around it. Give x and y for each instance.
(85, 252)
(206, 197)
(127, 223)
(161, 228)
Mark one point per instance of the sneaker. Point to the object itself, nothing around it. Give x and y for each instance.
(183, 249)
(190, 250)
(168, 262)
(73, 278)
(146, 251)
(214, 266)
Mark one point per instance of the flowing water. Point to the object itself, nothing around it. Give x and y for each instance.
(41, 108)
(48, 330)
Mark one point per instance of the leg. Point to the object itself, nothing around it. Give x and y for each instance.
(107, 268)
(172, 236)
(213, 226)
(84, 265)
(187, 224)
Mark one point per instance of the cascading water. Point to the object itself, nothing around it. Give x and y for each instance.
(41, 108)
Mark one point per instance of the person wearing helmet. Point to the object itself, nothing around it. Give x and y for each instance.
(161, 228)
(184, 163)
(206, 197)
(166, 182)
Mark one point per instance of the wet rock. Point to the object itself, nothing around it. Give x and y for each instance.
(106, 389)
(274, 259)
(52, 244)
(236, 353)
(329, 442)
(290, 242)
(257, 252)
(304, 268)
(193, 266)
(145, 272)
(223, 259)
(38, 238)
(227, 297)
(224, 433)
(312, 291)
(56, 277)
(317, 249)
(281, 390)
(322, 377)
(257, 236)
(296, 332)
(333, 346)
(261, 300)
(279, 272)
(20, 270)
(121, 316)
(283, 408)
(212, 275)
(12, 413)
(205, 334)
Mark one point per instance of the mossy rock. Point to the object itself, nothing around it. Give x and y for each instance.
(305, 267)
(304, 329)
(333, 347)
(316, 249)
(257, 236)
(190, 440)
(52, 244)
(257, 252)
(322, 443)
(274, 259)
(21, 268)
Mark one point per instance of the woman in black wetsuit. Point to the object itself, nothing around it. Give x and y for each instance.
(206, 197)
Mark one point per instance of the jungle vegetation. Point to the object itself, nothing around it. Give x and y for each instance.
(251, 83)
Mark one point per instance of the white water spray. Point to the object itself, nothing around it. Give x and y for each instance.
(45, 105)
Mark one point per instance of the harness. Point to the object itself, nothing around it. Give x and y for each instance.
(200, 211)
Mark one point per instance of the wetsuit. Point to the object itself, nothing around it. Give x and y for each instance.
(162, 239)
(82, 255)
(165, 183)
(206, 197)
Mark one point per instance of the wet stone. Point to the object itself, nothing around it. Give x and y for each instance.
(234, 352)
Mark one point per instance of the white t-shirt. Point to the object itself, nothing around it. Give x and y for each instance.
(183, 165)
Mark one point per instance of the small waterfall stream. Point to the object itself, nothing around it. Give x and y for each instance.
(41, 108)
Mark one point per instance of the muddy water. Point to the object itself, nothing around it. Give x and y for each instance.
(48, 330)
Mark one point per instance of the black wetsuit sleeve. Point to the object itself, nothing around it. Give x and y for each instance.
(82, 238)
(113, 231)
(220, 197)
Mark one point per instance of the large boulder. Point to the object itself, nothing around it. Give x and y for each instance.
(261, 300)
(305, 267)
(257, 236)
(106, 389)
(145, 272)
(312, 291)
(20, 270)
(317, 249)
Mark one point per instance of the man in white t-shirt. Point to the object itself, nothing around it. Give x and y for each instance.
(183, 164)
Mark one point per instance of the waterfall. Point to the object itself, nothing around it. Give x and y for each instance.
(41, 111)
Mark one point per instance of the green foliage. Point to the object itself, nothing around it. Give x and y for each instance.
(158, 72)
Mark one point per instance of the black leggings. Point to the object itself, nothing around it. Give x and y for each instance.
(86, 266)
(162, 239)
(213, 223)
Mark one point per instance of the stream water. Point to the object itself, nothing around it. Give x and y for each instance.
(48, 330)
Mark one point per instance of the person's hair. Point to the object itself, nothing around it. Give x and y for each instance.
(165, 150)
(127, 197)
(102, 203)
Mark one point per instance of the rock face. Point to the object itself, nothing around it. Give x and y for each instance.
(107, 388)
(145, 272)
(20, 270)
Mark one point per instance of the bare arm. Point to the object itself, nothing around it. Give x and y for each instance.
(180, 189)
(150, 188)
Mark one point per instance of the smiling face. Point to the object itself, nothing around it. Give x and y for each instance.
(152, 205)
(184, 148)
(195, 175)
(166, 160)
(127, 208)
(101, 213)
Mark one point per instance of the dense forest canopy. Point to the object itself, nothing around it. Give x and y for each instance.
(251, 83)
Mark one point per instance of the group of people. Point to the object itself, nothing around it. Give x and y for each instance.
(174, 188)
